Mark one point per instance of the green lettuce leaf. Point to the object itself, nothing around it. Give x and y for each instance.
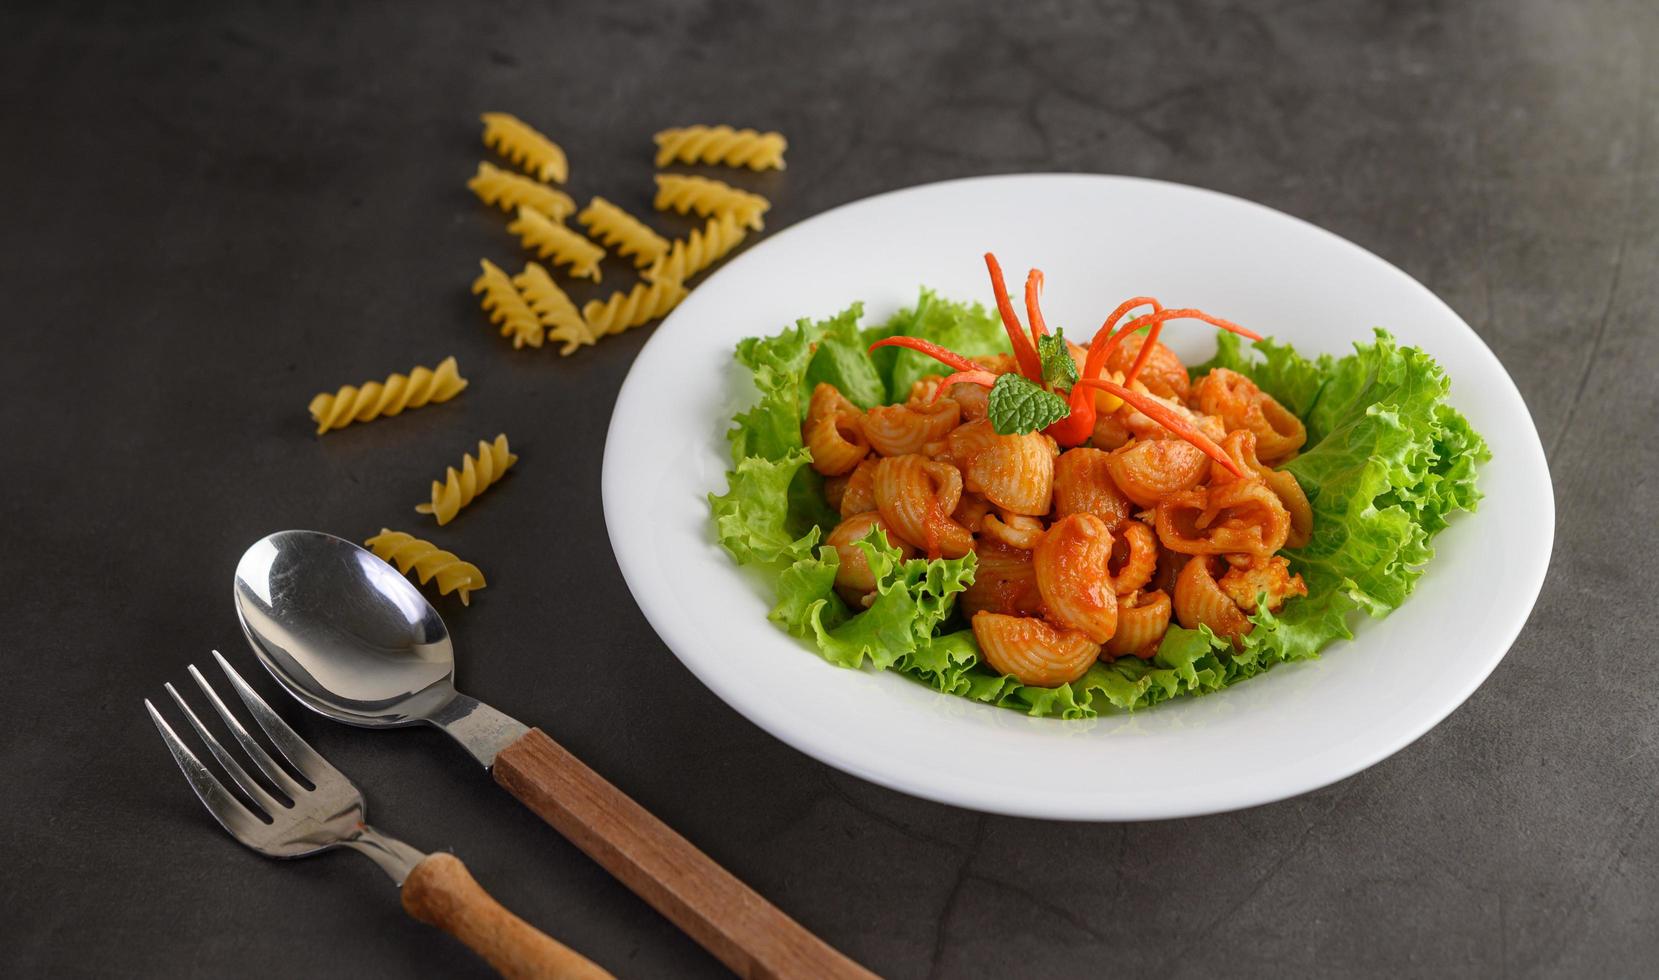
(752, 518)
(1387, 462)
(969, 329)
(842, 361)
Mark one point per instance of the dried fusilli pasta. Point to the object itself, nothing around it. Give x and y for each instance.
(622, 231)
(514, 139)
(563, 321)
(509, 192)
(429, 561)
(377, 398)
(723, 145)
(699, 250)
(682, 193)
(506, 307)
(457, 488)
(551, 240)
(636, 307)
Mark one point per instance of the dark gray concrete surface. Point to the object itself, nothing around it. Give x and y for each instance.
(212, 211)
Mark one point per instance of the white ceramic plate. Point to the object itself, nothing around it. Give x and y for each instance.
(1098, 239)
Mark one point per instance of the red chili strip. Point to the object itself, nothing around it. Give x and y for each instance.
(1076, 428)
(943, 355)
(1026, 355)
(1100, 348)
(984, 379)
(1033, 312)
(1154, 319)
(1161, 414)
(1145, 354)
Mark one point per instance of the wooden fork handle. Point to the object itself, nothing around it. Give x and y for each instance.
(727, 918)
(441, 892)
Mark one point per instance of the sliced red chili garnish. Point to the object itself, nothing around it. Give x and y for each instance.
(1076, 428)
(943, 355)
(1105, 339)
(1033, 312)
(1162, 414)
(984, 379)
(1101, 349)
(1024, 353)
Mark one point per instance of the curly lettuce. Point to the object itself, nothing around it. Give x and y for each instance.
(1388, 461)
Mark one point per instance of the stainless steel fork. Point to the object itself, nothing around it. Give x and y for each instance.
(288, 818)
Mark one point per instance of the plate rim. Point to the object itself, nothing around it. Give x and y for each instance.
(1077, 809)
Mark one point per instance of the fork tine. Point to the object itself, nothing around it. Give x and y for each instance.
(265, 801)
(231, 813)
(255, 751)
(293, 748)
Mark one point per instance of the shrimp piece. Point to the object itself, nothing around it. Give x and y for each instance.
(1032, 651)
(1270, 578)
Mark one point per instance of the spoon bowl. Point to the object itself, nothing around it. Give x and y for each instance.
(352, 639)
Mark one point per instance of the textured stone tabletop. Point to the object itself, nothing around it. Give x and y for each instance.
(212, 212)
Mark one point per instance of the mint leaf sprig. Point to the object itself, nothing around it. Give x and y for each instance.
(1058, 367)
(1018, 405)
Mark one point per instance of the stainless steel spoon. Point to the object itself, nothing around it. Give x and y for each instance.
(354, 640)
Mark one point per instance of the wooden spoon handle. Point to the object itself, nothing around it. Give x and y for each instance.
(441, 892)
(744, 931)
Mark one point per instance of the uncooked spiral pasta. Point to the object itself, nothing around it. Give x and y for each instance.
(373, 399)
(683, 194)
(699, 250)
(552, 240)
(721, 145)
(510, 191)
(514, 139)
(634, 308)
(622, 231)
(477, 473)
(557, 313)
(429, 561)
(501, 300)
